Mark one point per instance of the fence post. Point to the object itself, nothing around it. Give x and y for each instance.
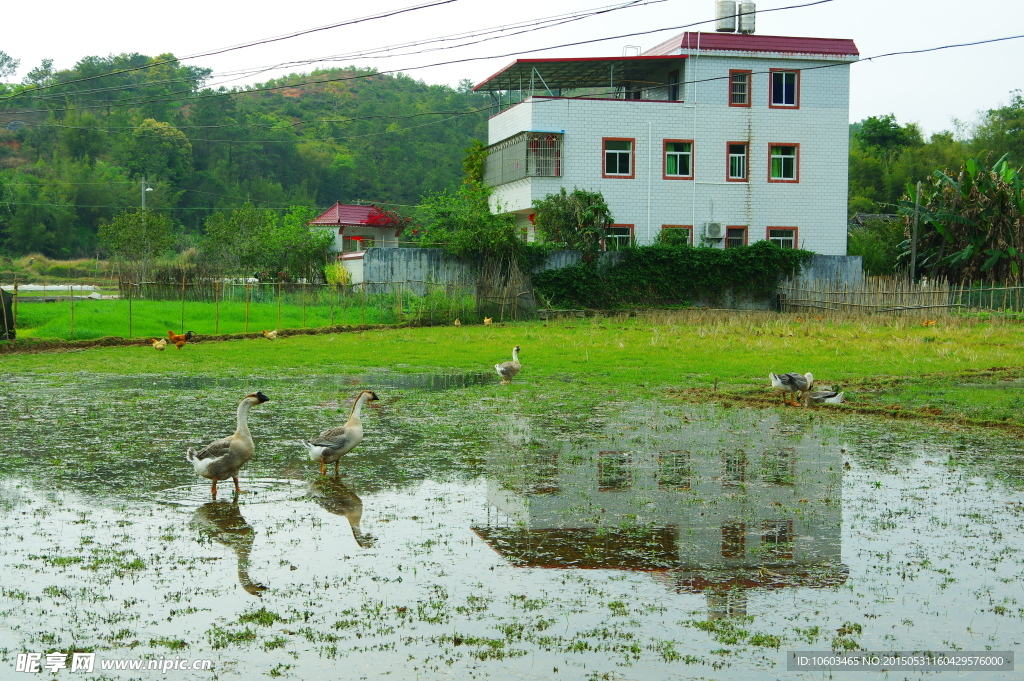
(303, 305)
(71, 295)
(14, 302)
(216, 307)
(278, 302)
(131, 292)
(913, 238)
(182, 302)
(247, 285)
(362, 315)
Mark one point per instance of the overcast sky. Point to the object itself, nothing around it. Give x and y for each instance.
(931, 89)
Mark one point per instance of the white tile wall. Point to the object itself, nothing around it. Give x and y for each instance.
(816, 205)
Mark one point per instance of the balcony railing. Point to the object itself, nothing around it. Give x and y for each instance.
(526, 154)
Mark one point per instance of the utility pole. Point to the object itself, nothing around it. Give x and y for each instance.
(913, 236)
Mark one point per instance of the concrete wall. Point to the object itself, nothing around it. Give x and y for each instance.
(420, 270)
(846, 269)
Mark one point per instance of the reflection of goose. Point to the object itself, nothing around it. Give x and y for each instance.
(823, 397)
(791, 383)
(330, 445)
(223, 522)
(338, 498)
(222, 459)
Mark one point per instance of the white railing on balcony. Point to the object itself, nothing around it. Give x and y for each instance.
(526, 154)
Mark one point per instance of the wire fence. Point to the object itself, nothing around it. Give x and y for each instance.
(226, 306)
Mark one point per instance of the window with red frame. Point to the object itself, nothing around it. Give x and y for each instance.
(785, 89)
(618, 157)
(678, 160)
(739, 88)
(783, 237)
(735, 236)
(784, 163)
(737, 169)
(617, 237)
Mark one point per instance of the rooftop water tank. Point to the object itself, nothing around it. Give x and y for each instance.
(747, 15)
(725, 12)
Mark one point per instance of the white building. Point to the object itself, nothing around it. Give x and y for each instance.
(734, 137)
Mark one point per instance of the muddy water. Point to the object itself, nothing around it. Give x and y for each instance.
(482, 532)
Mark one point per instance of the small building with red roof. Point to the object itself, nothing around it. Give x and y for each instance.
(356, 228)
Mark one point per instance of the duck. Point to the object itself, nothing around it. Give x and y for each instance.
(791, 383)
(158, 343)
(330, 445)
(823, 397)
(180, 338)
(223, 458)
(269, 335)
(507, 370)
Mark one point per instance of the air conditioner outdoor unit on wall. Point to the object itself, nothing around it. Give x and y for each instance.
(714, 230)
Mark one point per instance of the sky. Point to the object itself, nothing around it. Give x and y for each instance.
(934, 89)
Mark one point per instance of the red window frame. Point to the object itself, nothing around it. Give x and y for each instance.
(746, 168)
(632, 158)
(664, 160)
(771, 80)
(632, 233)
(750, 80)
(795, 230)
(746, 234)
(689, 227)
(796, 162)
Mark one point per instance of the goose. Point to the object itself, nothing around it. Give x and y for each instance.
(507, 370)
(330, 445)
(223, 522)
(792, 383)
(223, 458)
(823, 397)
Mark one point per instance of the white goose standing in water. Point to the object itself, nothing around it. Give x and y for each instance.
(508, 370)
(330, 445)
(223, 458)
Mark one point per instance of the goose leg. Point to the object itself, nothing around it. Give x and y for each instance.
(336, 467)
(238, 490)
(213, 490)
(323, 468)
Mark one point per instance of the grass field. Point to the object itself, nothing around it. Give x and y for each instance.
(141, 318)
(959, 370)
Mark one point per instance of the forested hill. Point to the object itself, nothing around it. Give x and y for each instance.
(75, 144)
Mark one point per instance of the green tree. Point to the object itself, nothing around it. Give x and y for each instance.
(136, 238)
(462, 224)
(8, 65)
(1001, 131)
(576, 220)
(879, 243)
(971, 225)
(158, 149)
(473, 163)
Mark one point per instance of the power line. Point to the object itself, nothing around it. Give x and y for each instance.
(424, 66)
(265, 41)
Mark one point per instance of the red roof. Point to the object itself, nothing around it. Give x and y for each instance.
(740, 42)
(344, 214)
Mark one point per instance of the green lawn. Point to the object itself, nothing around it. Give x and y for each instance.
(958, 367)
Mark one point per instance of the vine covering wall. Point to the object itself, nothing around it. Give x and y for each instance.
(659, 275)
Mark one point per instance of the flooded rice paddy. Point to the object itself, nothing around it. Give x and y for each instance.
(482, 532)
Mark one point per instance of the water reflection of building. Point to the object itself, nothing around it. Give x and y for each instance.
(718, 503)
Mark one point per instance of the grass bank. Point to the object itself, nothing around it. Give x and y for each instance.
(960, 370)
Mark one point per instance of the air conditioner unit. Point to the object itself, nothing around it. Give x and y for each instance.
(714, 230)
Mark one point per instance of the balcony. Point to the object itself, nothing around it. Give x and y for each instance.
(526, 154)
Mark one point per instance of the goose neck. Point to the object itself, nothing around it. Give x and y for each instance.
(353, 417)
(243, 416)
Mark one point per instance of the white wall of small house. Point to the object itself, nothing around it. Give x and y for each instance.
(383, 238)
(815, 205)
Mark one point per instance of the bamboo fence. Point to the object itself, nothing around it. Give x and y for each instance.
(900, 296)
